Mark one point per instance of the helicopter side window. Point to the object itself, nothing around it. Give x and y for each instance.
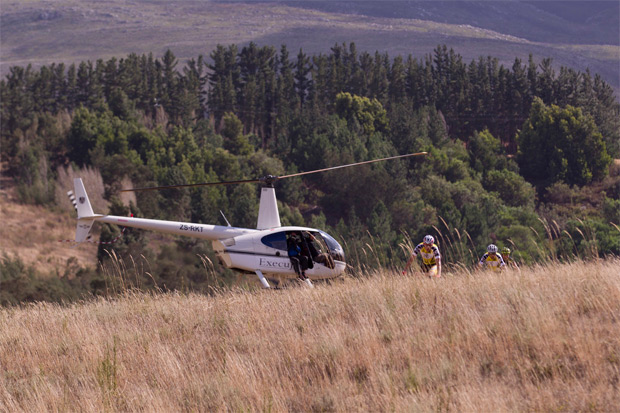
(277, 241)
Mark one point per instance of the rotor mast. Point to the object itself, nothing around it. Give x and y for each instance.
(268, 214)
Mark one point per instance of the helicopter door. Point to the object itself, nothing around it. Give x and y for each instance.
(317, 249)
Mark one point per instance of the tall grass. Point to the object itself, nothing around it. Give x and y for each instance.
(546, 338)
(459, 252)
(121, 277)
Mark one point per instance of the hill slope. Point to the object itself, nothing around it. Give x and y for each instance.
(543, 339)
(578, 22)
(68, 31)
(32, 232)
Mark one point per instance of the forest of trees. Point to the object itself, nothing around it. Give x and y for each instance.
(519, 156)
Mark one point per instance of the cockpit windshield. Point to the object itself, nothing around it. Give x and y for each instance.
(335, 249)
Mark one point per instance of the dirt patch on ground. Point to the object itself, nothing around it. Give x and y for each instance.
(614, 168)
(33, 232)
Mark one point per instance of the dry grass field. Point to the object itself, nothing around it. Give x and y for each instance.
(543, 339)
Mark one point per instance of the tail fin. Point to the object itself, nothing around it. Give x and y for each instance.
(86, 216)
(83, 207)
(82, 232)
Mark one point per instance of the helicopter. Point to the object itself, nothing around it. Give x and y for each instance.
(262, 250)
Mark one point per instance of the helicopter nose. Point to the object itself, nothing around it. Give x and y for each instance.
(341, 266)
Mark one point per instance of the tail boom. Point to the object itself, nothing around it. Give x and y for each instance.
(203, 231)
(86, 219)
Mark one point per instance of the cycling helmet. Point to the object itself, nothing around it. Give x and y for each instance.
(429, 239)
(492, 248)
(505, 251)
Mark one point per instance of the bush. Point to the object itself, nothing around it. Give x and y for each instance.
(561, 144)
(486, 152)
(22, 283)
(611, 210)
(511, 188)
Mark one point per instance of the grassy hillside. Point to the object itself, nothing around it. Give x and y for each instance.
(540, 339)
(40, 32)
(581, 22)
(32, 232)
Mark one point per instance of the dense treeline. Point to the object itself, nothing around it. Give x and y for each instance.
(519, 155)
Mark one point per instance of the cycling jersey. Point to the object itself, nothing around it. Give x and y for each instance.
(494, 261)
(430, 269)
(430, 255)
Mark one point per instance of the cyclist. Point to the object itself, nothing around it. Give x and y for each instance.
(510, 262)
(492, 259)
(431, 258)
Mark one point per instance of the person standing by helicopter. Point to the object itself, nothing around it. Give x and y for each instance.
(308, 247)
(431, 258)
(492, 259)
(298, 261)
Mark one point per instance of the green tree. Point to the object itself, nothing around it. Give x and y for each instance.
(486, 152)
(380, 223)
(223, 80)
(234, 139)
(82, 136)
(302, 80)
(368, 114)
(512, 189)
(561, 144)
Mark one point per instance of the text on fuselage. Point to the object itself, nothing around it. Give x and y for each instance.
(192, 228)
(264, 262)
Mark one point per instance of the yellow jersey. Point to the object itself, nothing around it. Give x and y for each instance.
(494, 261)
(430, 255)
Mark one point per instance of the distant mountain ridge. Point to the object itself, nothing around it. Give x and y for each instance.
(580, 35)
(575, 22)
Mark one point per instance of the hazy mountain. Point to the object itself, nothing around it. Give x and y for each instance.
(577, 34)
(576, 22)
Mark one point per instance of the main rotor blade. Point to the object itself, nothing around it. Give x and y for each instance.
(151, 188)
(270, 179)
(352, 164)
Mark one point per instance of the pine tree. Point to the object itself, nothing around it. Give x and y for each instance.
(302, 78)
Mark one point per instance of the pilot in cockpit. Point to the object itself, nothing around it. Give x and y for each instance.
(313, 251)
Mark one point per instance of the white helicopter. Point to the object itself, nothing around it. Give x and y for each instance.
(263, 251)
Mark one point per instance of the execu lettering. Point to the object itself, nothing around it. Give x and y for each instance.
(192, 228)
(263, 262)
